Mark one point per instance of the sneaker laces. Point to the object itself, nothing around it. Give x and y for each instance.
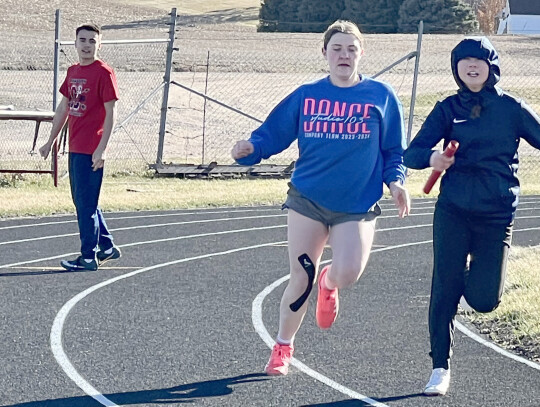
(281, 353)
(437, 376)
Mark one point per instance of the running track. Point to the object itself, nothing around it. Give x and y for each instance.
(187, 317)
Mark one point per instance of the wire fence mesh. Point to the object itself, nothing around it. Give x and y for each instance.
(253, 71)
(139, 69)
(27, 84)
(244, 74)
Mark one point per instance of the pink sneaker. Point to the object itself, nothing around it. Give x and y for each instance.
(327, 303)
(278, 365)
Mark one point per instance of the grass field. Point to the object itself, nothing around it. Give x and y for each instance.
(250, 7)
(229, 26)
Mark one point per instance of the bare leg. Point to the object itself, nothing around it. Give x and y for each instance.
(351, 245)
(305, 236)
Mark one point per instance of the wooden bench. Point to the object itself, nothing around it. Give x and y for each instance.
(38, 117)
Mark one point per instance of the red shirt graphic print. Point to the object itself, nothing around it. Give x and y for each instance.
(88, 88)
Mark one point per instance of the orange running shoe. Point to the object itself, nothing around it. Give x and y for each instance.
(327, 303)
(278, 365)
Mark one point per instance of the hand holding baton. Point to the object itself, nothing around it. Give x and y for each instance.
(449, 151)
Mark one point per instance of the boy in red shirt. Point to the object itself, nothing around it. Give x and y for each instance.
(88, 104)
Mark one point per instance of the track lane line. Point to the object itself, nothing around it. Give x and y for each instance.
(59, 321)
(63, 360)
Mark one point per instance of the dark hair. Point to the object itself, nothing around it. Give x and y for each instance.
(88, 27)
(345, 27)
(479, 48)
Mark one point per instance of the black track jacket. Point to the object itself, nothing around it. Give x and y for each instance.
(483, 179)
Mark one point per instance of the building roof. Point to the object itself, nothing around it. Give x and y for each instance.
(526, 7)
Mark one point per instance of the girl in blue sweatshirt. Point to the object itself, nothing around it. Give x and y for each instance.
(479, 192)
(351, 140)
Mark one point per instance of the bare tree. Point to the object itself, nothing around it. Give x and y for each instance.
(486, 13)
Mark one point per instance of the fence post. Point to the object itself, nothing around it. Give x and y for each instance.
(56, 74)
(56, 57)
(415, 80)
(167, 82)
(204, 107)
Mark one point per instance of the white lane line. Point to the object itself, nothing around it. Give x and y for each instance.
(58, 324)
(170, 239)
(258, 324)
(63, 360)
(146, 227)
(109, 218)
(404, 227)
(411, 215)
(199, 221)
(526, 229)
(11, 265)
(256, 317)
(496, 348)
(154, 241)
(32, 239)
(419, 205)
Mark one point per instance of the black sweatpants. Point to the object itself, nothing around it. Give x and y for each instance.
(457, 234)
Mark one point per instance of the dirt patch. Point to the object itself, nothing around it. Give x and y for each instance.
(503, 334)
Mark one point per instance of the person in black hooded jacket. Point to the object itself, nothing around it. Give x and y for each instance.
(479, 192)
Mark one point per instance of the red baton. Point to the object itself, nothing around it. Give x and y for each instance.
(449, 151)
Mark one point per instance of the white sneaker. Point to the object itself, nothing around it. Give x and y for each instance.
(439, 382)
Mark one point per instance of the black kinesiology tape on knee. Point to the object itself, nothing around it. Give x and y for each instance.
(308, 265)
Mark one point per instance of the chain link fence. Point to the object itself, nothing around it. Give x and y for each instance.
(18, 146)
(139, 68)
(27, 85)
(251, 72)
(520, 75)
(226, 78)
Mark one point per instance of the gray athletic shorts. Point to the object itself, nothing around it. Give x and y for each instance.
(299, 203)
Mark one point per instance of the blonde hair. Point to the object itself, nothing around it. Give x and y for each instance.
(345, 27)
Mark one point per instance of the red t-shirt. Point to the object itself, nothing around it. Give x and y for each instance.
(88, 88)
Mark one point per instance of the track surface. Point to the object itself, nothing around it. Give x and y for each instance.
(188, 314)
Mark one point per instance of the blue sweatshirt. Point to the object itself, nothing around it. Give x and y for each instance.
(350, 141)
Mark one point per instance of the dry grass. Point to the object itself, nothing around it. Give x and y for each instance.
(239, 11)
(515, 324)
(147, 193)
(137, 193)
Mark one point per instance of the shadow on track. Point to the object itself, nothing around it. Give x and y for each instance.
(186, 393)
(358, 403)
(41, 273)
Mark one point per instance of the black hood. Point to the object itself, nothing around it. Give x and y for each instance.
(481, 48)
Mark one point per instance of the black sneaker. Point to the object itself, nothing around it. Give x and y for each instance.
(79, 264)
(104, 257)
